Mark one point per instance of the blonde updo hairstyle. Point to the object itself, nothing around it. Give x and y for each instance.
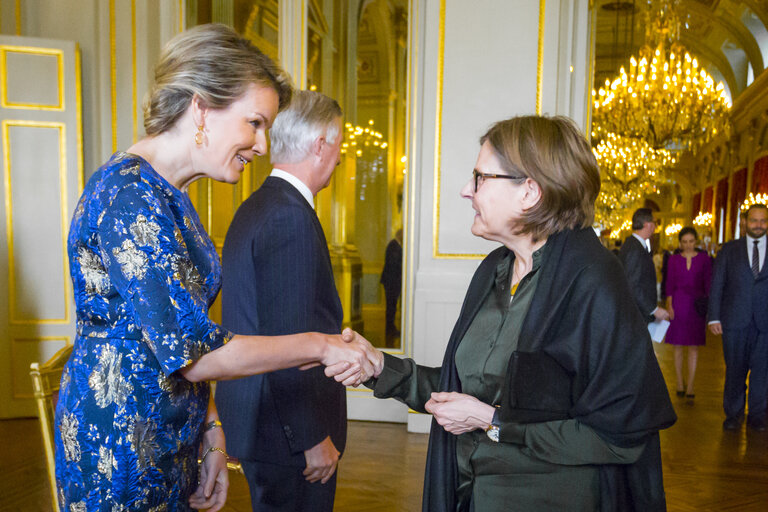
(215, 63)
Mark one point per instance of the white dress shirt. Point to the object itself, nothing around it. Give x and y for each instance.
(643, 241)
(760, 249)
(297, 184)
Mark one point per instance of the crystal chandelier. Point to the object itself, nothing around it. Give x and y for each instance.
(666, 98)
(703, 220)
(673, 229)
(645, 118)
(370, 150)
(753, 199)
(630, 170)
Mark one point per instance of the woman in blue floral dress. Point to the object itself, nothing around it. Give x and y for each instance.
(134, 411)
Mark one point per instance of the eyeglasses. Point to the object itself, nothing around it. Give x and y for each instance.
(480, 176)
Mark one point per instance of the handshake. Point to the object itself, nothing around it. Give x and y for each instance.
(351, 359)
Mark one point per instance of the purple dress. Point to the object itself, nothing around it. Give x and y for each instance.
(684, 286)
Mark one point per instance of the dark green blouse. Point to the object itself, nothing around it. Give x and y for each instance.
(551, 465)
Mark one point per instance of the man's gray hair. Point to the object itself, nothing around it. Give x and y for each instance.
(310, 115)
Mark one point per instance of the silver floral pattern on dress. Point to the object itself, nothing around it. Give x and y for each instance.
(107, 462)
(94, 273)
(142, 433)
(185, 272)
(78, 507)
(145, 232)
(131, 169)
(107, 381)
(68, 428)
(132, 261)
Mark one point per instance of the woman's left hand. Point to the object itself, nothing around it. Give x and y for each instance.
(211, 494)
(458, 413)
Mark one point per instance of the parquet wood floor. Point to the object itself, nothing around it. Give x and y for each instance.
(705, 469)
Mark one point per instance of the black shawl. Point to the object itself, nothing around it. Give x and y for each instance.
(583, 317)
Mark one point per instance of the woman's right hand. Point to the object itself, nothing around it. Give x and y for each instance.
(351, 359)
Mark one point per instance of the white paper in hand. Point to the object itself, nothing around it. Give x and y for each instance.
(658, 329)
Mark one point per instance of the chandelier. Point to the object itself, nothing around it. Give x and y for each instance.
(673, 229)
(646, 117)
(665, 98)
(370, 151)
(753, 199)
(631, 169)
(703, 219)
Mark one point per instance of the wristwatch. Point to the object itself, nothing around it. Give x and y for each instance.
(493, 430)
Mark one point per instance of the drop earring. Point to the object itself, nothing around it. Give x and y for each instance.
(199, 136)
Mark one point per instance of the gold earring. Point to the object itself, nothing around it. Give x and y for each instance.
(199, 136)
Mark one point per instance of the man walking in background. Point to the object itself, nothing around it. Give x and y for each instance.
(288, 428)
(635, 256)
(738, 309)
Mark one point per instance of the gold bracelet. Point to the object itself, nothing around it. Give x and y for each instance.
(212, 425)
(213, 449)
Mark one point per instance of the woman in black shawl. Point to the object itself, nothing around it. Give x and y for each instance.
(549, 396)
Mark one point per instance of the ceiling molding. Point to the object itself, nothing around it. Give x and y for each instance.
(760, 11)
(734, 28)
(746, 40)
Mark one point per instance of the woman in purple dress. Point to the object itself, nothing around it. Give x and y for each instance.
(688, 279)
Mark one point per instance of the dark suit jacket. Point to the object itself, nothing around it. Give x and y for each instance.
(736, 296)
(277, 279)
(581, 318)
(392, 273)
(641, 274)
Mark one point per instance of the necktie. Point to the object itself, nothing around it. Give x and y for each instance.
(755, 260)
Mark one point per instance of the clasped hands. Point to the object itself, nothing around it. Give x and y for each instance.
(459, 413)
(351, 359)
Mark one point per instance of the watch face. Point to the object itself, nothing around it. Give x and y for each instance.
(493, 433)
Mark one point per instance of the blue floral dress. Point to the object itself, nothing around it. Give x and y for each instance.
(144, 271)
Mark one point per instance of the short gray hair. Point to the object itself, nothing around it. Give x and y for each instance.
(310, 115)
(215, 63)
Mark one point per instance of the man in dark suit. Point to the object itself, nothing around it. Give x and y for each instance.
(738, 309)
(635, 256)
(392, 280)
(288, 428)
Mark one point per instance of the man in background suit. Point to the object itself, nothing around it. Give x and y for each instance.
(738, 309)
(635, 256)
(392, 280)
(288, 428)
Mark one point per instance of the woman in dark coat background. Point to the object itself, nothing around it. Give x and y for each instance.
(549, 396)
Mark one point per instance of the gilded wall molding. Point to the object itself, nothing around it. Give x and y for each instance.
(31, 50)
(436, 253)
(540, 58)
(113, 72)
(64, 218)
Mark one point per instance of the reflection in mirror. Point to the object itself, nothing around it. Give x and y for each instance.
(379, 143)
(362, 64)
(217, 202)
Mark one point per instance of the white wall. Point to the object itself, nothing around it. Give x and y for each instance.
(486, 69)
